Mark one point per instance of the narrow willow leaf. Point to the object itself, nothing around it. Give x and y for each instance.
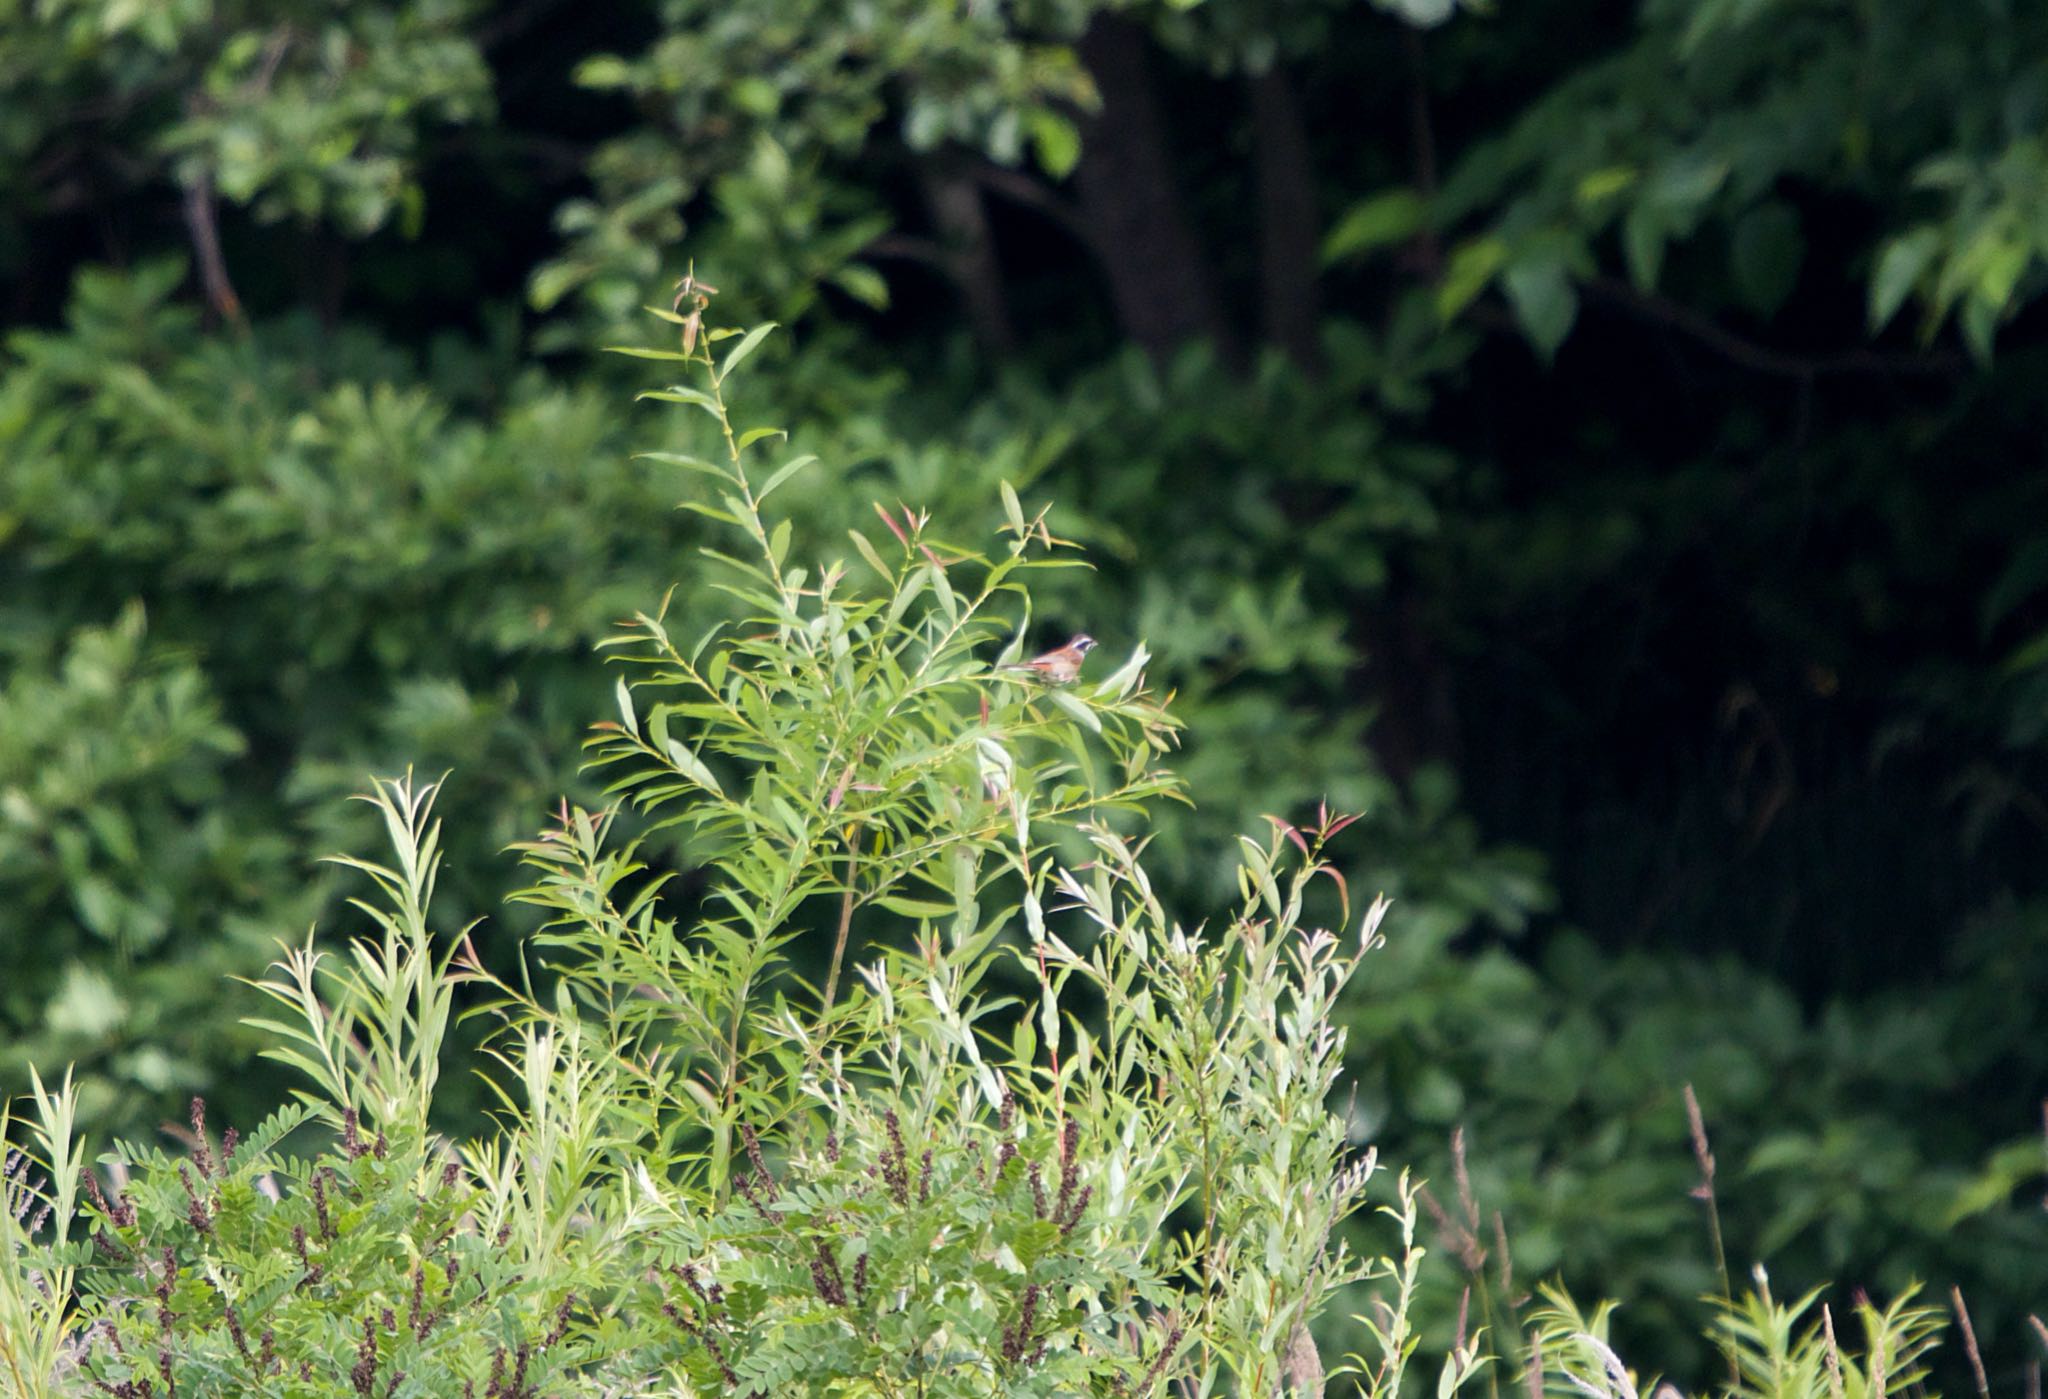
(725, 517)
(1012, 507)
(779, 806)
(681, 393)
(967, 909)
(905, 595)
(942, 588)
(783, 473)
(756, 434)
(867, 552)
(692, 767)
(626, 715)
(1079, 710)
(638, 353)
(1120, 683)
(739, 352)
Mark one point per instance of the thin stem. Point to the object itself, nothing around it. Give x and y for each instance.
(846, 904)
(732, 450)
(1704, 1191)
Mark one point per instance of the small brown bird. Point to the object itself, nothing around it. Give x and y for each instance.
(1061, 666)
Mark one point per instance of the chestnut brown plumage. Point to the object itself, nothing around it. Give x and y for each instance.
(1061, 666)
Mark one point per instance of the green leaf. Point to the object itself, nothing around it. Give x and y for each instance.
(738, 353)
(915, 908)
(967, 909)
(1391, 217)
(626, 715)
(637, 352)
(1119, 683)
(692, 767)
(783, 473)
(1472, 268)
(698, 507)
(1056, 142)
(1080, 711)
(1601, 185)
(1899, 269)
(695, 398)
(1544, 299)
(1682, 187)
(602, 70)
(87, 1006)
(867, 552)
(912, 586)
(862, 283)
(1013, 509)
(756, 434)
(1642, 245)
(1980, 326)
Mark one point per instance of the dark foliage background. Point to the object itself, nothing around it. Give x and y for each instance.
(1601, 441)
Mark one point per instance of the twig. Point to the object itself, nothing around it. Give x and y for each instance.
(1955, 1295)
(1020, 188)
(1762, 359)
(909, 248)
(846, 903)
(205, 235)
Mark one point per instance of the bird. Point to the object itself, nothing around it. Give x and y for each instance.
(1061, 666)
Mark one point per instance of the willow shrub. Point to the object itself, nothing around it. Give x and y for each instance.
(1030, 1135)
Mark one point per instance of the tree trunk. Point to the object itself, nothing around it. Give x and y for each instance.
(1159, 279)
(970, 256)
(1290, 307)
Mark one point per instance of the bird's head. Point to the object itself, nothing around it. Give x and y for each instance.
(1082, 644)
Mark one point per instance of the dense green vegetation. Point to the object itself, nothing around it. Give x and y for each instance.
(1062, 1145)
(1595, 441)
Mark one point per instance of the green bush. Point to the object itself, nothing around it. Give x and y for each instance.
(1042, 1138)
(364, 576)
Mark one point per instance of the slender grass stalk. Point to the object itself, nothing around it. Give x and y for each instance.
(1704, 1191)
